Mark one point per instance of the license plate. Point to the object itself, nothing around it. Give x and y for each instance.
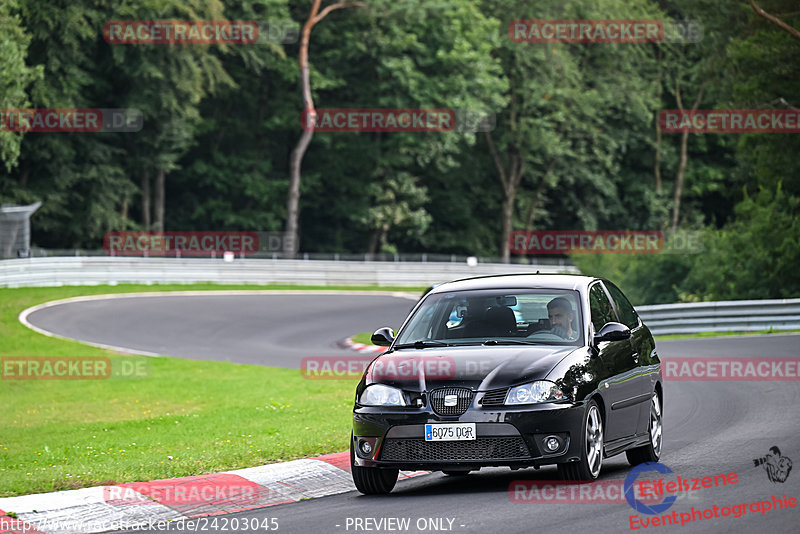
(450, 432)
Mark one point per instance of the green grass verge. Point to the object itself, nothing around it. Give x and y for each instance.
(185, 418)
(363, 337)
(721, 334)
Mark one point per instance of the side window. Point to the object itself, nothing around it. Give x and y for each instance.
(600, 306)
(626, 312)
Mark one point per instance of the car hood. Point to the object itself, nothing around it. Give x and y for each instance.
(478, 367)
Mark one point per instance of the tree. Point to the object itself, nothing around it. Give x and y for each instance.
(575, 111)
(755, 256)
(15, 77)
(293, 200)
(234, 177)
(78, 176)
(694, 73)
(398, 201)
(166, 83)
(388, 63)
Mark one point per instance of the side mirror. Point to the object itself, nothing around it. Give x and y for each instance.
(384, 336)
(612, 332)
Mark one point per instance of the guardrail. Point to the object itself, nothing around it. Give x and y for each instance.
(404, 257)
(685, 318)
(31, 272)
(722, 316)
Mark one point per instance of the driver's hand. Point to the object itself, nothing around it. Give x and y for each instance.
(560, 331)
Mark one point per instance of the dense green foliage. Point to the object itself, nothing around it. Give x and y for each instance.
(575, 144)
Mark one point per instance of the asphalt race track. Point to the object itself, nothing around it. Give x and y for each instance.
(710, 427)
(278, 330)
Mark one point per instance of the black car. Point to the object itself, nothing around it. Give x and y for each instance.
(513, 370)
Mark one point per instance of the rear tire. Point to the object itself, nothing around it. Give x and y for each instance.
(591, 461)
(372, 480)
(652, 451)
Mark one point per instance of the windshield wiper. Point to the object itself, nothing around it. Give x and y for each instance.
(509, 342)
(422, 344)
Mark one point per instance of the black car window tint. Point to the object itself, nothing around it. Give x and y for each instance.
(626, 312)
(600, 306)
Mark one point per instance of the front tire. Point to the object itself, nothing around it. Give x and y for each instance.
(591, 461)
(652, 451)
(371, 480)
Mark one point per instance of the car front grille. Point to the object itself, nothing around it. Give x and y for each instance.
(463, 400)
(494, 397)
(485, 448)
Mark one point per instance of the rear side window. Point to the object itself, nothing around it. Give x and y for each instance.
(600, 306)
(626, 312)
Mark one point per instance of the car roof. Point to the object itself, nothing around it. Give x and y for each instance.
(517, 281)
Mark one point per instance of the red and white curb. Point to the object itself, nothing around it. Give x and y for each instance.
(133, 504)
(360, 347)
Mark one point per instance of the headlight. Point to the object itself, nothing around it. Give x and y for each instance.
(539, 391)
(380, 395)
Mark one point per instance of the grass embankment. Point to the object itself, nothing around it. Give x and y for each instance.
(185, 418)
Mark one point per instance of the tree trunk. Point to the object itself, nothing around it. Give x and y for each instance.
(676, 201)
(146, 200)
(293, 197)
(509, 180)
(536, 194)
(657, 166)
(309, 116)
(23, 177)
(531, 212)
(508, 220)
(383, 238)
(373, 241)
(158, 219)
(775, 20)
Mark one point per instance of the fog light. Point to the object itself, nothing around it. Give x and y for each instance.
(552, 443)
(365, 447)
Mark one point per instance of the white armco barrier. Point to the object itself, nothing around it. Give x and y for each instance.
(59, 271)
(722, 316)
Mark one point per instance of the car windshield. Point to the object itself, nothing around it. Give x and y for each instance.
(501, 316)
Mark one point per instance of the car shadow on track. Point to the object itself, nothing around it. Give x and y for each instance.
(488, 480)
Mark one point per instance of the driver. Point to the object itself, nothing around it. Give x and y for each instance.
(560, 312)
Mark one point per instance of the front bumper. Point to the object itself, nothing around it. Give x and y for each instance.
(511, 437)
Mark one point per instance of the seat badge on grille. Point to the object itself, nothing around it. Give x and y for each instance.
(450, 400)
